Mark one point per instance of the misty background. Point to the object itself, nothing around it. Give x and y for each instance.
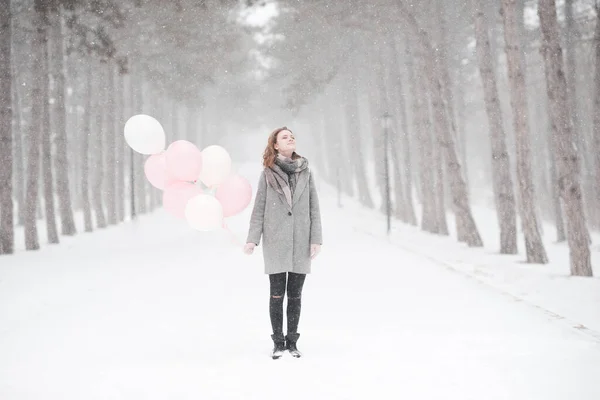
(435, 105)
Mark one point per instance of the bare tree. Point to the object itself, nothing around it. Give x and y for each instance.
(536, 253)
(501, 179)
(354, 144)
(48, 176)
(6, 160)
(458, 187)
(404, 142)
(85, 151)
(567, 159)
(59, 113)
(39, 44)
(111, 148)
(596, 103)
(97, 147)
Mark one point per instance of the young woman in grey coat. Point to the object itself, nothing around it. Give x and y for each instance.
(286, 214)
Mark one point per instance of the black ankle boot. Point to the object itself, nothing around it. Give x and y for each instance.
(279, 345)
(290, 344)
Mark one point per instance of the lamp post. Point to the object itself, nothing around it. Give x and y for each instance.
(385, 122)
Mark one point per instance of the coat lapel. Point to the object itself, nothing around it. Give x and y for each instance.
(301, 185)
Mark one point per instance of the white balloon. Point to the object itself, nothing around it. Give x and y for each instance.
(144, 134)
(216, 165)
(204, 213)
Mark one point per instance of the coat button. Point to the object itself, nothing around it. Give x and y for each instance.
(289, 213)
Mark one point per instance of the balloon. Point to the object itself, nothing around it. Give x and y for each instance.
(204, 213)
(156, 172)
(184, 160)
(234, 194)
(144, 134)
(176, 197)
(216, 165)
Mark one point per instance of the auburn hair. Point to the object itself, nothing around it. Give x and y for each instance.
(270, 154)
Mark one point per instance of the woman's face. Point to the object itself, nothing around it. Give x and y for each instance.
(286, 143)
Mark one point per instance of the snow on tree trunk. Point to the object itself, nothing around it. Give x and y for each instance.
(6, 148)
(85, 148)
(49, 208)
(564, 140)
(97, 146)
(536, 253)
(501, 179)
(59, 126)
(34, 137)
(111, 146)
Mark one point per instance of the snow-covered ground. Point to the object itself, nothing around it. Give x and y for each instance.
(154, 310)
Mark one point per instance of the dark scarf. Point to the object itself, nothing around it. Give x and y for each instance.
(283, 175)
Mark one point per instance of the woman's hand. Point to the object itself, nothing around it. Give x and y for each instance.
(249, 248)
(314, 250)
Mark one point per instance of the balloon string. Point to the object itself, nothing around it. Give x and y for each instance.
(233, 236)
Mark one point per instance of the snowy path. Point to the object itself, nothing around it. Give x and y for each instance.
(152, 310)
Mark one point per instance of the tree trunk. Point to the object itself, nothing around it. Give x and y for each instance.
(140, 190)
(556, 201)
(536, 253)
(49, 208)
(596, 107)
(423, 127)
(458, 187)
(448, 103)
(7, 234)
(111, 150)
(354, 142)
(39, 43)
(568, 168)
(437, 159)
(404, 143)
(18, 154)
(85, 145)
(120, 124)
(501, 179)
(59, 113)
(97, 148)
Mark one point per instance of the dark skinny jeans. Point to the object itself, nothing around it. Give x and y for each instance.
(295, 282)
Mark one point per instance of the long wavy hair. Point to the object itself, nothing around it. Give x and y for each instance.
(270, 154)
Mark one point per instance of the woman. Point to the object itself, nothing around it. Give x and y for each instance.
(286, 214)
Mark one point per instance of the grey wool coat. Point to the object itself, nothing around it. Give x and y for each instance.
(287, 232)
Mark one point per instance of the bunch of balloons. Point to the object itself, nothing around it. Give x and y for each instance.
(197, 186)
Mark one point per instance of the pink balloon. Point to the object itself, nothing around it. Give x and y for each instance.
(235, 193)
(183, 160)
(155, 169)
(176, 197)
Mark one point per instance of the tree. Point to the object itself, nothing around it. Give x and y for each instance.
(564, 140)
(39, 44)
(446, 134)
(596, 103)
(47, 173)
(6, 160)
(58, 121)
(536, 253)
(501, 180)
